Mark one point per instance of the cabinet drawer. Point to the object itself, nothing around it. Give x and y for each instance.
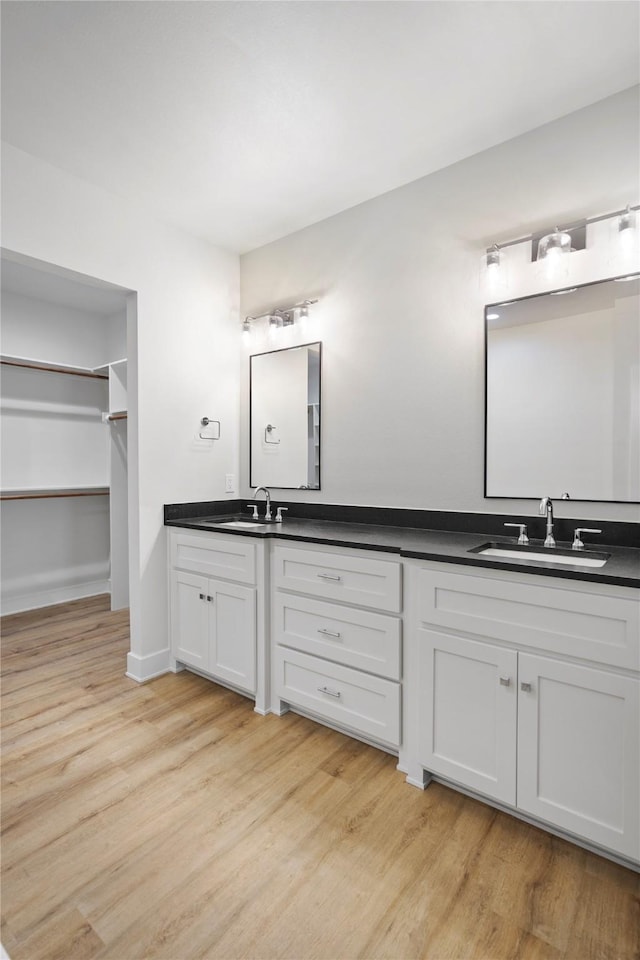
(365, 704)
(356, 638)
(366, 581)
(579, 624)
(227, 558)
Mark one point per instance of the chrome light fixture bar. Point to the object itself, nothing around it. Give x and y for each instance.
(626, 221)
(280, 316)
(551, 246)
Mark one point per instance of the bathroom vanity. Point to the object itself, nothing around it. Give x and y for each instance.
(516, 681)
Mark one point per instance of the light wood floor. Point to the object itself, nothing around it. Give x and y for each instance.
(171, 821)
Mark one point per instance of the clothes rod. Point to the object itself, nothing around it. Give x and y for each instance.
(53, 494)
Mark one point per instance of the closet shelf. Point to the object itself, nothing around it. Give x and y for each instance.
(111, 363)
(41, 493)
(33, 364)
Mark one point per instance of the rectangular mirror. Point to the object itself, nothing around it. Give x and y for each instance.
(562, 400)
(284, 418)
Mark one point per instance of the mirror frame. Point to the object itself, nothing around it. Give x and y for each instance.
(296, 346)
(533, 296)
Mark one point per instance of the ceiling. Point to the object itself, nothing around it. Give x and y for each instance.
(240, 122)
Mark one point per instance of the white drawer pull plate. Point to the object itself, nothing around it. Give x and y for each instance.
(329, 633)
(330, 693)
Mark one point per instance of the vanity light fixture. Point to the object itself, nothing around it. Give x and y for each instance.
(279, 317)
(551, 248)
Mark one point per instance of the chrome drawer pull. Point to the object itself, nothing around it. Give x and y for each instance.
(329, 576)
(329, 633)
(201, 595)
(330, 693)
(505, 681)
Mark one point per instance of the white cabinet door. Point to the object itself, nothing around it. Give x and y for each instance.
(579, 751)
(468, 712)
(233, 634)
(190, 619)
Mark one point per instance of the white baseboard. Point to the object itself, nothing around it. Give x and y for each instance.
(47, 598)
(146, 668)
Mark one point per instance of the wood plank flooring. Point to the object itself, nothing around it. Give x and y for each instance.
(171, 821)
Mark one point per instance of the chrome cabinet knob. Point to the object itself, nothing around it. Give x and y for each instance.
(526, 686)
(505, 681)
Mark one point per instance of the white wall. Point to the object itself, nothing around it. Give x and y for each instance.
(53, 550)
(59, 334)
(401, 311)
(184, 355)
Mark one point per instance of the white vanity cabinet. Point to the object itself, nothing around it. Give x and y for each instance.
(216, 608)
(526, 690)
(336, 636)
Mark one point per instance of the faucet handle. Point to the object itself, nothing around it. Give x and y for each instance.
(577, 542)
(254, 507)
(522, 527)
(279, 513)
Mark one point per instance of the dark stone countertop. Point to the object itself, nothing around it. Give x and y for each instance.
(622, 568)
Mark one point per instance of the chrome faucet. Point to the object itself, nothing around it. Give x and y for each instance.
(546, 507)
(267, 510)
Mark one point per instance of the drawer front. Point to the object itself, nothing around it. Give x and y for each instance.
(226, 558)
(358, 701)
(366, 581)
(562, 620)
(356, 638)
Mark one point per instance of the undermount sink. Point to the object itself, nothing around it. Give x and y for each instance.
(237, 524)
(572, 558)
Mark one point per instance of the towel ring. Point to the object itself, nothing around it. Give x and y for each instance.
(205, 421)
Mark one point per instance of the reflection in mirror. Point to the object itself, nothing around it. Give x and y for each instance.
(563, 394)
(284, 414)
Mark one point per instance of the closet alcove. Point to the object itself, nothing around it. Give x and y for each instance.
(63, 419)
